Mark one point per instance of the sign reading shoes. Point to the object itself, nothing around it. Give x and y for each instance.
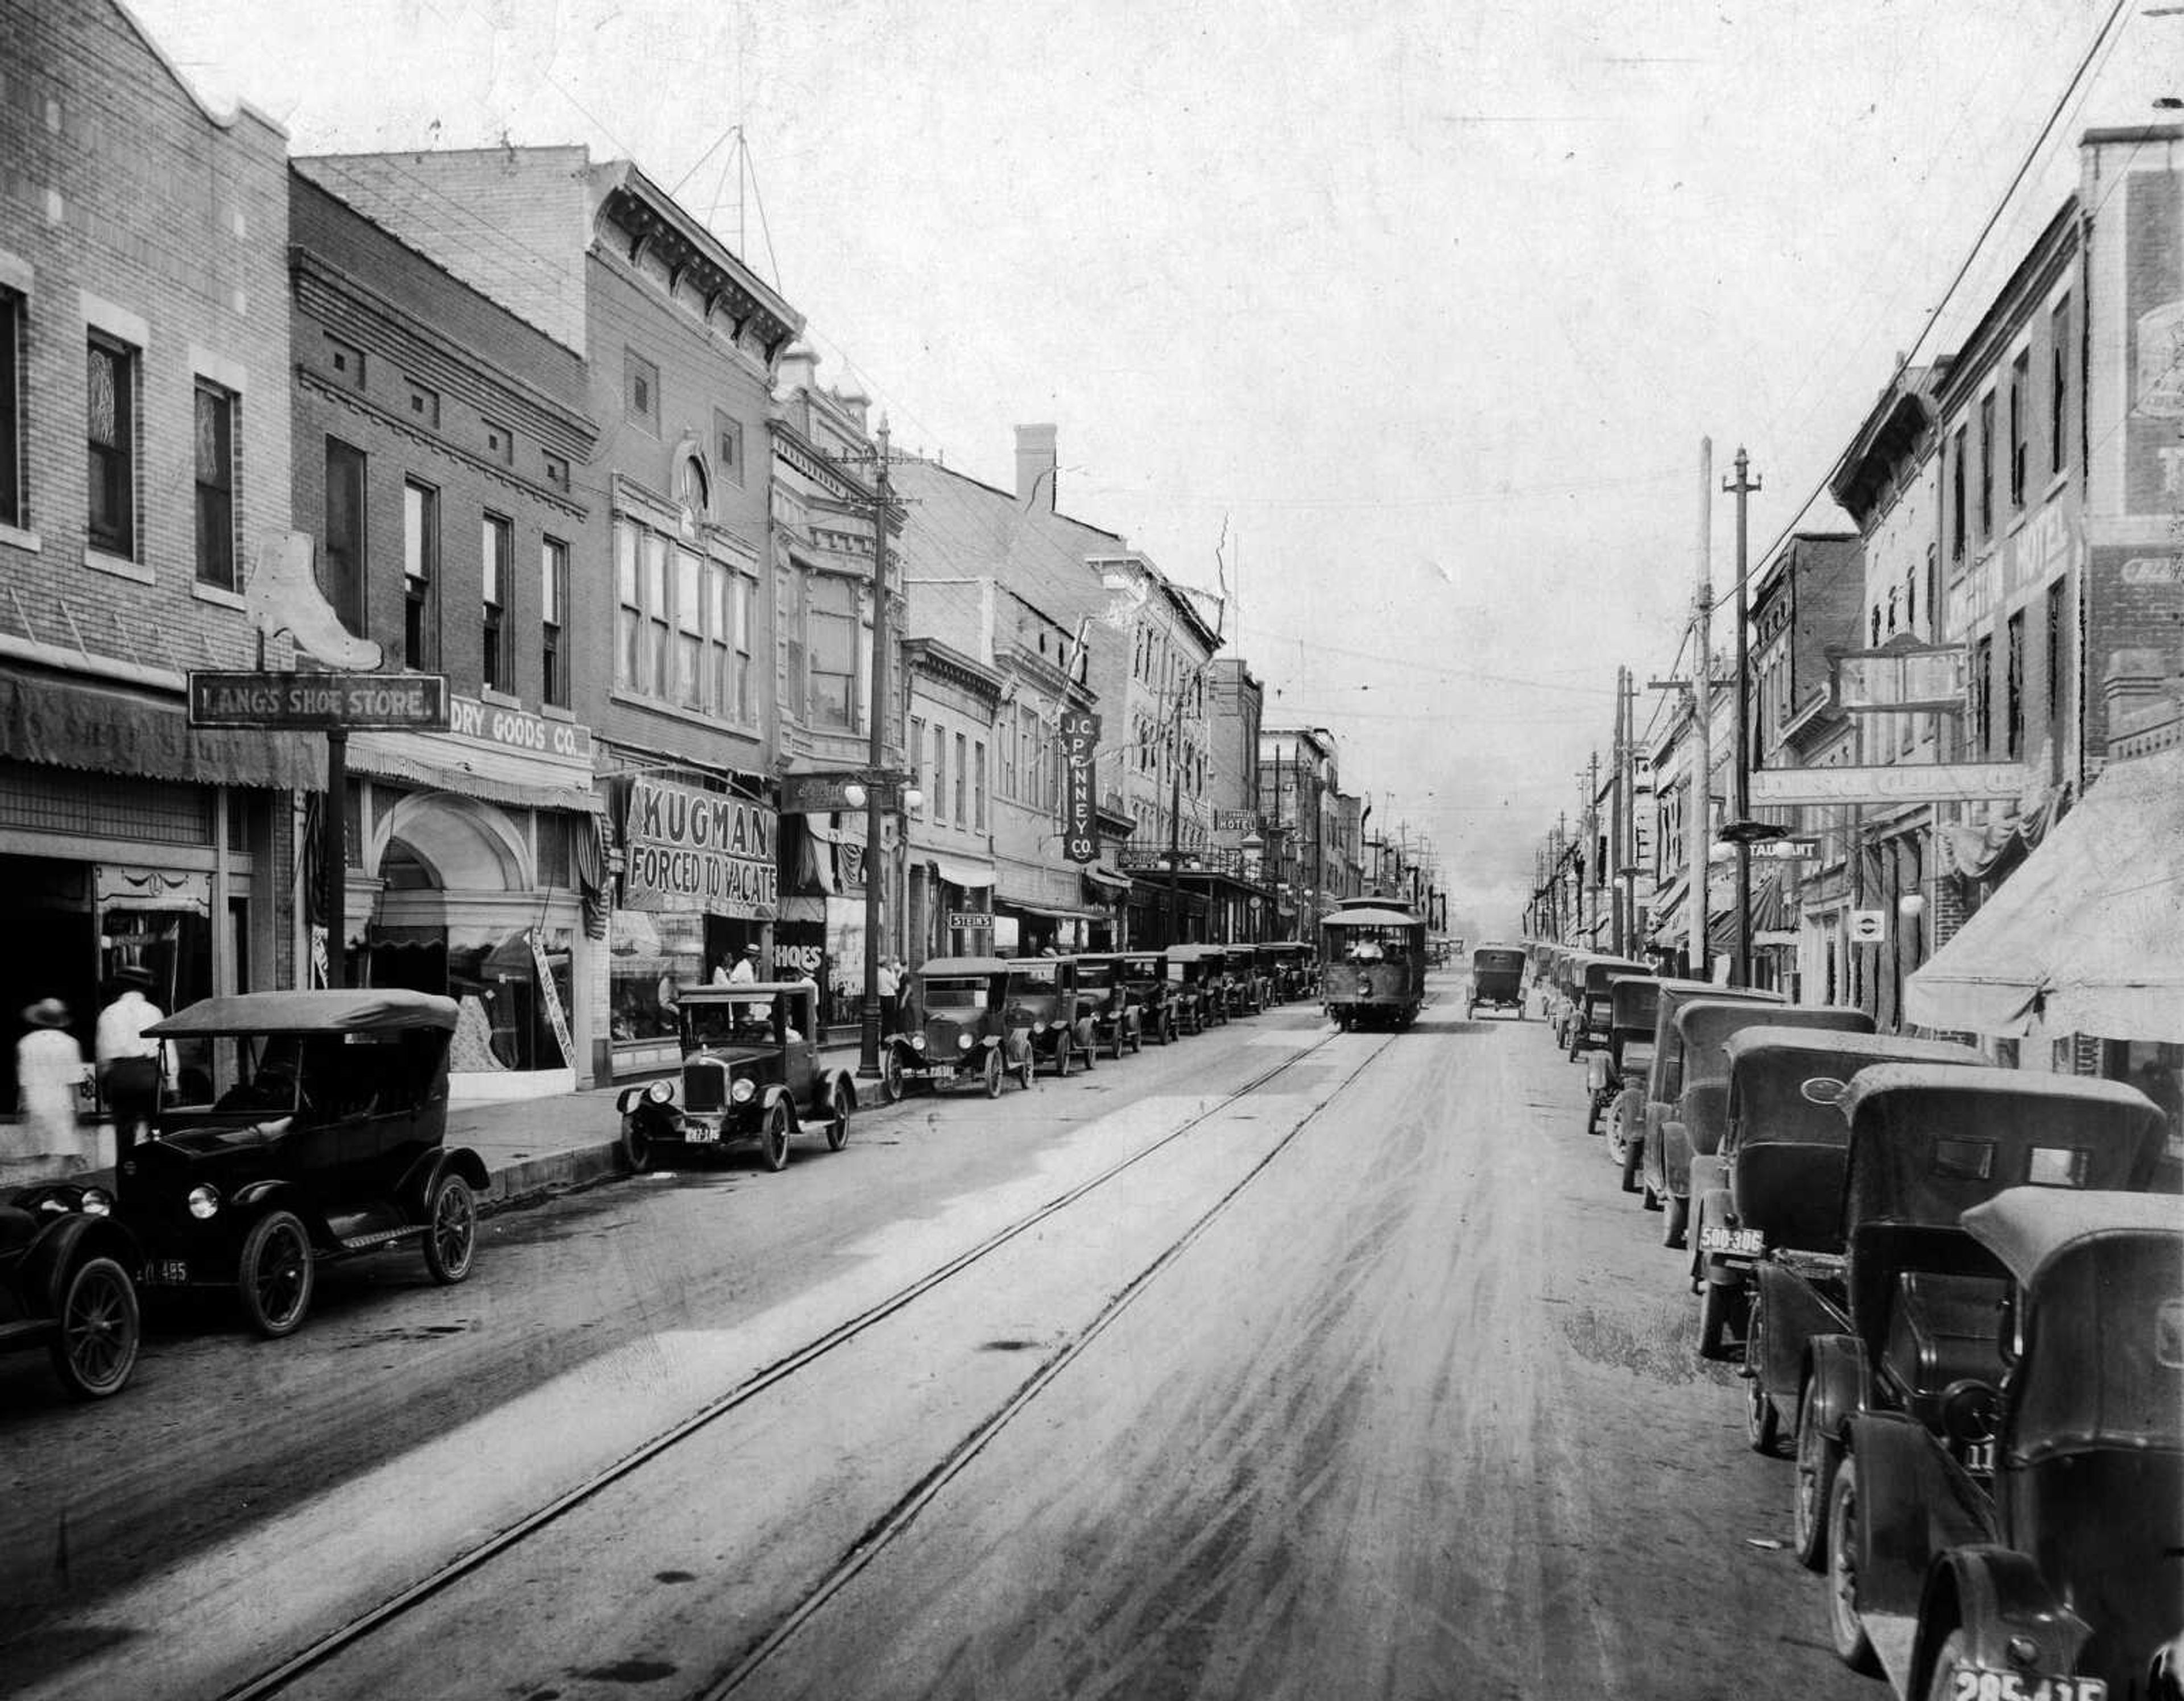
(313, 702)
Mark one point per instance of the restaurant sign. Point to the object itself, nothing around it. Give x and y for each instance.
(687, 850)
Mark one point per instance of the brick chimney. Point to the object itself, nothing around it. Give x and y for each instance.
(1035, 467)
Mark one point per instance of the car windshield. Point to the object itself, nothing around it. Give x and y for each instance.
(954, 994)
(1093, 975)
(707, 1025)
(269, 1070)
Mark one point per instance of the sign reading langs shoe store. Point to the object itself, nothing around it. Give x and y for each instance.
(684, 849)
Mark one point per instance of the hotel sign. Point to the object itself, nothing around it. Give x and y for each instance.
(1911, 783)
(693, 851)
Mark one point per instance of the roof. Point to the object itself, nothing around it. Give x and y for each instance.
(1371, 918)
(365, 1009)
(2029, 1228)
(1941, 1078)
(2087, 937)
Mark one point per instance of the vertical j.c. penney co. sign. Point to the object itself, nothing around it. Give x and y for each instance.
(684, 849)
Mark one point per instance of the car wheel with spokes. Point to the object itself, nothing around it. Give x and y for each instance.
(1852, 1646)
(1717, 1307)
(450, 1229)
(100, 1329)
(637, 1149)
(1025, 1067)
(1818, 1456)
(891, 1078)
(838, 1120)
(1062, 1057)
(275, 1273)
(990, 1070)
(1762, 1423)
(773, 1138)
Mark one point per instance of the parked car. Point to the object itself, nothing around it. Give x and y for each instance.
(1104, 1000)
(1195, 985)
(1664, 1167)
(1615, 1077)
(1691, 1134)
(1497, 980)
(1903, 1319)
(1146, 974)
(960, 1029)
(1588, 1022)
(751, 1071)
(329, 1143)
(2051, 1569)
(1565, 975)
(1041, 993)
(1777, 1188)
(65, 1286)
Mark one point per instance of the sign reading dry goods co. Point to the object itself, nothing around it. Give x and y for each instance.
(684, 849)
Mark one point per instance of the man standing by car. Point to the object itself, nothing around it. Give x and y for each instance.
(890, 995)
(128, 1060)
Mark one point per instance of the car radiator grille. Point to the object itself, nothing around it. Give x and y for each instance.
(704, 1086)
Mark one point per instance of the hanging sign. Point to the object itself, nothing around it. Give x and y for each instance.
(1867, 927)
(310, 702)
(1080, 802)
(549, 995)
(969, 921)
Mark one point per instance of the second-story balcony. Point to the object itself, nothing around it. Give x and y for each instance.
(1209, 859)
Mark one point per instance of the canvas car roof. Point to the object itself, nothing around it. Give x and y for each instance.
(1883, 1080)
(360, 1010)
(2029, 1228)
(1775, 1037)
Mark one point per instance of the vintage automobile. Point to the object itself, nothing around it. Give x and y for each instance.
(961, 1029)
(1903, 1319)
(1588, 1022)
(1145, 974)
(1617, 1071)
(1690, 1134)
(1372, 964)
(1497, 980)
(1040, 995)
(1775, 1184)
(1661, 1167)
(1104, 997)
(65, 1286)
(2046, 1565)
(1194, 986)
(751, 1071)
(1566, 984)
(331, 1142)
(1266, 963)
(1298, 973)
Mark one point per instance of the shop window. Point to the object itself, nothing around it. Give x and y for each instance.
(496, 545)
(421, 576)
(110, 433)
(553, 621)
(656, 954)
(341, 562)
(215, 447)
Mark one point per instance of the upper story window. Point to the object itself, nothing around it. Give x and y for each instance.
(683, 627)
(557, 470)
(728, 447)
(831, 647)
(2059, 386)
(110, 432)
(342, 563)
(500, 444)
(2020, 422)
(691, 489)
(554, 622)
(497, 551)
(1986, 466)
(348, 361)
(216, 446)
(1957, 495)
(640, 390)
(421, 576)
(424, 405)
(14, 316)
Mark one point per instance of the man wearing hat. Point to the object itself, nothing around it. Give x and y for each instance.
(48, 1066)
(128, 1060)
(745, 972)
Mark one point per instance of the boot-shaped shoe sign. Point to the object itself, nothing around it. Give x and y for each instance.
(283, 595)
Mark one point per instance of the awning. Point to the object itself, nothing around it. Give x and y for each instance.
(1666, 911)
(100, 728)
(960, 871)
(492, 776)
(1053, 913)
(1112, 879)
(2087, 937)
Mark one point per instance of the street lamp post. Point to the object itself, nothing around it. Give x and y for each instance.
(868, 1033)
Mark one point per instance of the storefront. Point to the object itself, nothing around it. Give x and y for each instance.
(951, 907)
(699, 882)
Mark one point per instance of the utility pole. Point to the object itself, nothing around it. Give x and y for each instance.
(876, 789)
(1592, 837)
(1619, 816)
(1700, 829)
(1742, 826)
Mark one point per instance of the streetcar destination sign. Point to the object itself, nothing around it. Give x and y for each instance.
(318, 702)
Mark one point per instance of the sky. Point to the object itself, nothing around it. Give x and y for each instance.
(1399, 323)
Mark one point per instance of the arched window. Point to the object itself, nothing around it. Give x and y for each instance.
(693, 490)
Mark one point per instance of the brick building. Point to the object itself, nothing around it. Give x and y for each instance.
(438, 439)
(144, 458)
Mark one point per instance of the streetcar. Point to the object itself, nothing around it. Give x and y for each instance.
(1373, 963)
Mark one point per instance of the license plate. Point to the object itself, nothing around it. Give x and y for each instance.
(1977, 1683)
(700, 1133)
(167, 1273)
(1742, 1243)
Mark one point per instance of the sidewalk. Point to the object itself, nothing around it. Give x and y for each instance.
(529, 1146)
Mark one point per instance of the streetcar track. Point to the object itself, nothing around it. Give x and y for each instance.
(898, 1520)
(276, 1679)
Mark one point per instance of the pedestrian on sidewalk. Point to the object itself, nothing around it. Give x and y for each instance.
(48, 1070)
(890, 995)
(129, 1076)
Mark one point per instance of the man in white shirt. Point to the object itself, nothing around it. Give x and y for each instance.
(745, 972)
(128, 1060)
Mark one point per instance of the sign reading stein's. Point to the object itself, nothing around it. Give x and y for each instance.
(687, 850)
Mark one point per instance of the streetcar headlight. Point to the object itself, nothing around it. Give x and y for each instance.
(741, 1088)
(203, 1202)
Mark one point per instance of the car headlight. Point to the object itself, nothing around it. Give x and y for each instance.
(203, 1202)
(97, 1202)
(962, 1042)
(917, 1042)
(741, 1088)
(660, 1092)
(1038, 1026)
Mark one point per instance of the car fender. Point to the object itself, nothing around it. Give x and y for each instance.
(248, 1204)
(1675, 1158)
(1650, 1160)
(1994, 1595)
(840, 1083)
(1839, 1382)
(425, 1172)
(779, 1095)
(1893, 1466)
(1712, 1207)
(64, 1244)
(1789, 1314)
